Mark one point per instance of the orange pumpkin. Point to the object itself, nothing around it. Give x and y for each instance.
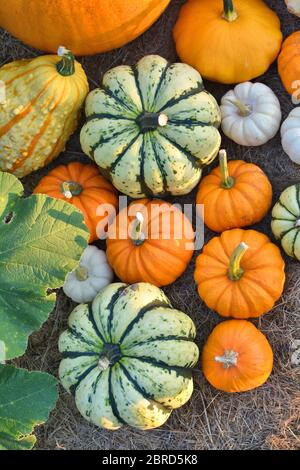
(289, 63)
(229, 41)
(234, 195)
(240, 274)
(83, 186)
(150, 241)
(84, 26)
(237, 357)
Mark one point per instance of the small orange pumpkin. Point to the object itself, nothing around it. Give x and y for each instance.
(229, 41)
(237, 357)
(83, 186)
(240, 274)
(234, 195)
(150, 241)
(289, 63)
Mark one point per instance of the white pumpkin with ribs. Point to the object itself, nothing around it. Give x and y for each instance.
(251, 114)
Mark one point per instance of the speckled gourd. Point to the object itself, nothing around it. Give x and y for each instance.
(40, 103)
(151, 127)
(286, 220)
(127, 358)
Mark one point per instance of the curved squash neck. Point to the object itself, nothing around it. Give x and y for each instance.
(66, 66)
(229, 12)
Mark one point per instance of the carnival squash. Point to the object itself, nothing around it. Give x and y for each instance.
(240, 274)
(237, 357)
(234, 195)
(82, 185)
(286, 220)
(151, 128)
(150, 241)
(127, 358)
(85, 26)
(228, 41)
(289, 64)
(41, 107)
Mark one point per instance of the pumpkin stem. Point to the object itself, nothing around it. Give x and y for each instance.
(228, 359)
(81, 273)
(66, 66)
(111, 353)
(137, 235)
(70, 189)
(229, 12)
(297, 224)
(244, 110)
(235, 271)
(227, 181)
(151, 121)
(103, 363)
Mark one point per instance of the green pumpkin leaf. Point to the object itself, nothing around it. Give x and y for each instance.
(41, 240)
(10, 189)
(26, 399)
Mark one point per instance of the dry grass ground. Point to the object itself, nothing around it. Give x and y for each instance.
(266, 418)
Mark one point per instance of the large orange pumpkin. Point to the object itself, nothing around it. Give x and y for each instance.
(240, 274)
(83, 186)
(289, 63)
(150, 241)
(237, 357)
(84, 26)
(234, 195)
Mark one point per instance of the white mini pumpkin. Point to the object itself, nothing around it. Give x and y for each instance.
(251, 114)
(293, 6)
(93, 273)
(290, 135)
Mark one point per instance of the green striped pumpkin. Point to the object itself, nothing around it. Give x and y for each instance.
(286, 220)
(152, 127)
(127, 358)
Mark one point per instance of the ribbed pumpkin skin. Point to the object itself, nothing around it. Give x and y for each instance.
(289, 62)
(246, 203)
(286, 221)
(84, 26)
(254, 357)
(96, 191)
(260, 286)
(166, 159)
(164, 254)
(128, 357)
(41, 112)
(228, 51)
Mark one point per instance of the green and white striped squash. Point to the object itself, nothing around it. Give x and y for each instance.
(127, 358)
(286, 220)
(151, 127)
